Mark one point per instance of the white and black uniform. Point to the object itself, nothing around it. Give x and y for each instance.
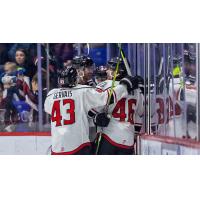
(68, 108)
(120, 131)
(184, 126)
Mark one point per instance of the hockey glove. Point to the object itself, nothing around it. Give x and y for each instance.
(130, 82)
(102, 119)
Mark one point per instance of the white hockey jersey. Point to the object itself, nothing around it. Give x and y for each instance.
(68, 108)
(184, 98)
(176, 109)
(120, 131)
(191, 102)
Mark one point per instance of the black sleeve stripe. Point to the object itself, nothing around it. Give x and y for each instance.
(111, 98)
(115, 96)
(91, 114)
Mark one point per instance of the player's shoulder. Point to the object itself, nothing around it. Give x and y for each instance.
(82, 87)
(137, 94)
(51, 92)
(105, 85)
(78, 87)
(177, 80)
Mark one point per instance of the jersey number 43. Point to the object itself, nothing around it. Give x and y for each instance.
(56, 114)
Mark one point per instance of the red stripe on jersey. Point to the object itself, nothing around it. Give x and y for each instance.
(116, 144)
(72, 152)
(94, 110)
(191, 87)
(25, 134)
(99, 90)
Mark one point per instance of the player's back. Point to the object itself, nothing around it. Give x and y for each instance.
(123, 116)
(176, 108)
(69, 123)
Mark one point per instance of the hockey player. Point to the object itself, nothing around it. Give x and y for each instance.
(170, 102)
(117, 136)
(191, 94)
(85, 68)
(69, 106)
(101, 74)
(165, 99)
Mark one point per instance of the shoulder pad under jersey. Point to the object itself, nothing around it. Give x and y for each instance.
(106, 85)
(52, 91)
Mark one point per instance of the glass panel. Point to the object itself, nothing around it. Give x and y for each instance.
(173, 91)
(198, 90)
(189, 69)
(169, 72)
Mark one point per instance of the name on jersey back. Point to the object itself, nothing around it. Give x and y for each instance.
(62, 94)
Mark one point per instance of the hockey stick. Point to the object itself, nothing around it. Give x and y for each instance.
(122, 54)
(109, 99)
(126, 63)
(161, 66)
(113, 85)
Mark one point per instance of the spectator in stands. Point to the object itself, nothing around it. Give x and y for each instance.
(10, 94)
(53, 64)
(12, 85)
(32, 99)
(8, 69)
(22, 81)
(22, 60)
(13, 47)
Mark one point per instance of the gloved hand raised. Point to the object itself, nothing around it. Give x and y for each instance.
(130, 82)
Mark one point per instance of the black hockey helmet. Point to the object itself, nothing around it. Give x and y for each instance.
(112, 64)
(177, 59)
(68, 77)
(82, 61)
(101, 72)
(189, 57)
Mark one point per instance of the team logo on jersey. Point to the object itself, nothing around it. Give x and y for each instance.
(102, 85)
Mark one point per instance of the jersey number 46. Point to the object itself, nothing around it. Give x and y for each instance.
(56, 114)
(119, 110)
